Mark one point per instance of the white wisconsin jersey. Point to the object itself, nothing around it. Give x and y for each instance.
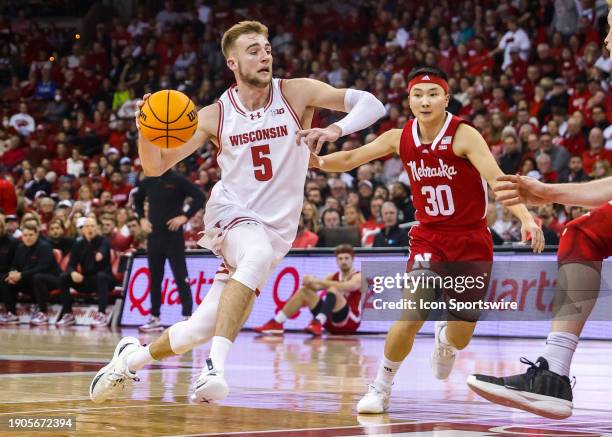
(262, 169)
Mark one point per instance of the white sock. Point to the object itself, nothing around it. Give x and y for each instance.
(386, 373)
(321, 318)
(218, 351)
(139, 358)
(444, 339)
(559, 350)
(280, 317)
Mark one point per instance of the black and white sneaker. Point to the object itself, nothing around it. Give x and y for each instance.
(538, 390)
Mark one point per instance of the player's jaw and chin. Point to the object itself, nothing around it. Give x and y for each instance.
(431, 112)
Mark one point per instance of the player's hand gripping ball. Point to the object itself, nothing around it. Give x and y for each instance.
(168, 119)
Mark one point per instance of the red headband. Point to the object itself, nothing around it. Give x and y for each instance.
(428, 78)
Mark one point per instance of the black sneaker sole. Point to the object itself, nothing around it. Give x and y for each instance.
(542, 405)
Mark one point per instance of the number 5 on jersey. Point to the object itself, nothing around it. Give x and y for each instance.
(262, 164)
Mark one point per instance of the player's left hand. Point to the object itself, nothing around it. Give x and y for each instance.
(530, 228)
(316, 137)
(175, 223)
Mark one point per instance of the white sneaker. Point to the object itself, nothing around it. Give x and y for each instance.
(211, 385)
(152, 325)
(375, 401)
(443, 356)
(115, 376)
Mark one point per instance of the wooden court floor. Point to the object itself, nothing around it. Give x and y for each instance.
(291, 386)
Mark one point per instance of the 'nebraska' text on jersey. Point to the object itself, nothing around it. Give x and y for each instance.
(262, 169)
(447, 190)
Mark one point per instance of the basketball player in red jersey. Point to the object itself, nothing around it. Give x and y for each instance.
(545, 387)
(252, 214)
(448, 164)
(338, 311)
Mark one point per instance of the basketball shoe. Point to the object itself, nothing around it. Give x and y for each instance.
(314, 327)
(211, 385)
(115, 376)
(538, 390)
(270, 327)
(375, 401)
(443, 356)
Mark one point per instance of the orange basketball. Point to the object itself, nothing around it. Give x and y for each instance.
(168, 119)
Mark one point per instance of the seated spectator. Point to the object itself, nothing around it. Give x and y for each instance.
(511, 155)
(304, 238)
(400, 196)
(23, 122)
(550, 225)
(39, 184)
(353, 216)
(507, 226)
(115, 239)
(595, 150)
(558, 154)
(89, 269)
(374, 223)
(311, 217)
(331, 220)
(547, 174)
(601, 169)
(34, 269)
(56, 236)
(391, 235)
(8, 245)
(573, 172)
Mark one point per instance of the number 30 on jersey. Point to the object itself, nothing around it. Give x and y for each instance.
(439, 200)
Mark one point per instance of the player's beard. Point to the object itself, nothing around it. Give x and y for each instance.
(253, 79)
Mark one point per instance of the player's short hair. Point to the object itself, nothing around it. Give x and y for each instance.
(432, 71)
(242, 28)
(345, 248)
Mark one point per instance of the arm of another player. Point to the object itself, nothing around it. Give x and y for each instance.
(156, 161)
(523, 189)
(362, 107)
(471, 145)
(337, 162)
(352, 284)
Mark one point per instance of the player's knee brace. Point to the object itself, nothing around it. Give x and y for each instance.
(254, 265)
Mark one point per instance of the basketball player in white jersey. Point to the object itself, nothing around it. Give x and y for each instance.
(261, 128)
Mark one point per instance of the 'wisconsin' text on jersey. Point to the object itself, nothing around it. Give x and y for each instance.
(258, 135)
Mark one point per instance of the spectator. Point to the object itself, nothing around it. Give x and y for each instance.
(8, 245)
(353, 216)
(39, 185)
(558, 154)
(547, 174)
(34, 269)
(304, 239)
(565, 20)
(23, 122)
(514, 38)
(115, 239)
(511, 156)
(56, 236)
(311, 217)
(601, 169)
(331, 220)
(119, 189)
(573, 172)
(574, 141)
(595, 151)
(401, 198)
(391, 235)
(89, 269)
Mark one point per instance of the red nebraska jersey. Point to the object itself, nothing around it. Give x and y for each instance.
(353, 297)
(448, 192)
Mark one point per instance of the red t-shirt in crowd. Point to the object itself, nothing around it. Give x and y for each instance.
(305, 240)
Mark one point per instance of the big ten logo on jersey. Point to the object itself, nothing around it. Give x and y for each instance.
(192, 115)
(278, 111)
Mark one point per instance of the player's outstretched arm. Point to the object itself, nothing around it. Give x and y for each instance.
(362, 108)
(516, 189)
(384, 145)
(471, 145)
(156, 161)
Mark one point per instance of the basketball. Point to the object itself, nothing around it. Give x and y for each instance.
(168, 119)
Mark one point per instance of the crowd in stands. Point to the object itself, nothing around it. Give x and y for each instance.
(531, 75)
